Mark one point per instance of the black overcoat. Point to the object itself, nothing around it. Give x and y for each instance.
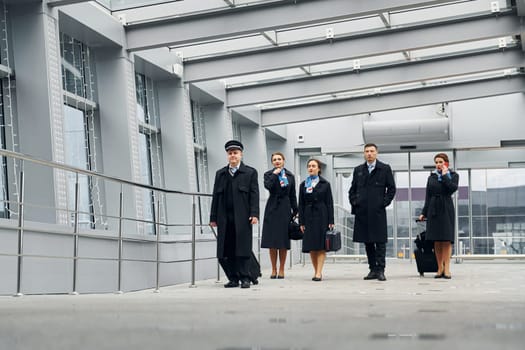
(245, 192)
(369, 195)
(439, 208)
(316, 212)
(280, 207)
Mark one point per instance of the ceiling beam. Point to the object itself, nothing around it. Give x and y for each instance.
(398, 100)
(255, 19)
(53, 3)
(396, 40)
(398, 74)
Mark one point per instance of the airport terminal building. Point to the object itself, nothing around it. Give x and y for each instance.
(114, 116)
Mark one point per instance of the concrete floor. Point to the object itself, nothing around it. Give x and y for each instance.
(481, 307)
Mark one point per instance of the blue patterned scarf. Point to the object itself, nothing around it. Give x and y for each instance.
(283, 180)
(309, 180)
(440, 176)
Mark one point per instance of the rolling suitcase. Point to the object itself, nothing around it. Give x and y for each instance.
(253, 266)
(424, 254)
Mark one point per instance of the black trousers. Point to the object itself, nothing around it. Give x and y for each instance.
(236, 268)
(375, 252)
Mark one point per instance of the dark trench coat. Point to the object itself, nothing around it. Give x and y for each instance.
(439, 208)
(280, 207)
(316, 212)
(369, 195)
(245, 190)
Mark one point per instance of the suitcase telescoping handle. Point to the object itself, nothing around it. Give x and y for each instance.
(213, 231)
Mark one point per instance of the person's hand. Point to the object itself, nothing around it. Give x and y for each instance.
(302, 228)
(421, 217)
(277, 171)
(213, 224)
(444, 169)
(253, 220)
(331, 226)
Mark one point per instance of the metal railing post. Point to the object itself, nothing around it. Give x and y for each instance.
(20, 232)
(193, 212)
(157, 226)
(75, 237)
(120, 244)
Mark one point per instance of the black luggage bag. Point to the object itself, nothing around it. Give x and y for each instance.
(254, 266)
(332, 240)
(424, 254)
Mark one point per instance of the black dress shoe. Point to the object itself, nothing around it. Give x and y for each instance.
(231, 284)
(381, 276)
(273, 277)
(280, 277)
(372, 275)
(446, 276)
(317, 279)
(245, 284)
(439, 275)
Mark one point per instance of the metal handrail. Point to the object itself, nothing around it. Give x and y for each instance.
(20, 227)
(73, 169)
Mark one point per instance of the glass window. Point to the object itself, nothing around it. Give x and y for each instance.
(4, 205)
(201, 160)
(76, 154)
(145, 177)
(77, 67)
(149, 145)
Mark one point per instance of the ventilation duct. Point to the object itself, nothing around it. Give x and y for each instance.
(406, 131)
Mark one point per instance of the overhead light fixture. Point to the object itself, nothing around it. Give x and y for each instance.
(512, 143)
(516, 164)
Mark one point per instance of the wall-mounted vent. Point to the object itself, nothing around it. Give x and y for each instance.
(405, 132)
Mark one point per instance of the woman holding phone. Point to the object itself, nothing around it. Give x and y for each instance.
(439, 212)
(280, 208)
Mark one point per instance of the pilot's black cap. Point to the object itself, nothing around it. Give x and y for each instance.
(233, 144)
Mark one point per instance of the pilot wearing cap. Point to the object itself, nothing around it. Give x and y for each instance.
(234, 209)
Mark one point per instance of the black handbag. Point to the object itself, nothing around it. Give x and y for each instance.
(294, 230)
(332, 240)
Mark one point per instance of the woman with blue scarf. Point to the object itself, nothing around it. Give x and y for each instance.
(280, 208)
(439, 212)
(316, 215)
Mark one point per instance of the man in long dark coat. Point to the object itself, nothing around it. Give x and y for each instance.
(234, 209)
(372, 190)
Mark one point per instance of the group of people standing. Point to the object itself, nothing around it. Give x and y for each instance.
(235, 207)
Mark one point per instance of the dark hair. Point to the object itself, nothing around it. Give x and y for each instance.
(370, 145)
(277, 154)
(442, 156)
(318, 164)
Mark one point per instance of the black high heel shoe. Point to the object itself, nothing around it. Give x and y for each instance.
(439, 275)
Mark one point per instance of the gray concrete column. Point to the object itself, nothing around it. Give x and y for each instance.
(218, 124)
(177, 151)
(36, 53)
(119, 131)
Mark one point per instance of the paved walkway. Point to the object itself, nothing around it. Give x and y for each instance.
(481, 307)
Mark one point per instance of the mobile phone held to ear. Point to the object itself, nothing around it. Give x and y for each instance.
(446, 164)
